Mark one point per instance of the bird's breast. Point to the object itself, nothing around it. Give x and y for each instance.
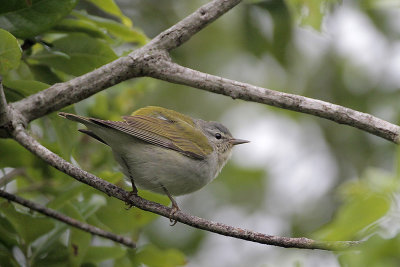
(152, 167)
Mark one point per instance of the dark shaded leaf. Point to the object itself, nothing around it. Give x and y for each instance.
(25, 21)
(84, 54)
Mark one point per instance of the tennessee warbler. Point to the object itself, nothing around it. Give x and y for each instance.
(162, 150)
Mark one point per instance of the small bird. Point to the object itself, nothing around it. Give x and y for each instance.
(162, 150)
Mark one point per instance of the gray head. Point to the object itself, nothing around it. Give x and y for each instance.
(221, 139)
(219, 136)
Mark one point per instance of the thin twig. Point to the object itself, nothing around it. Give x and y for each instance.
(21, 136)
(5, 179)
(68, 220)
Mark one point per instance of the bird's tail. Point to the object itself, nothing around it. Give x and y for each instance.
(73, 117)
(84, 120)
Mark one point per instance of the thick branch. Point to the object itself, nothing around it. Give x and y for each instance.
(152, 60)
(52, 159)
(61, 95)
(192, 24)
(68, 220)
(172, 72)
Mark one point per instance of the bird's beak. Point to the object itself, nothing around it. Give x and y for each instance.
(238, 141)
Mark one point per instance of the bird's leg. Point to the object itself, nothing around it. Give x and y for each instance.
(134, 191)
(175, 207)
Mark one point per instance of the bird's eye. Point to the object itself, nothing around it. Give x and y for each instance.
(218, 136)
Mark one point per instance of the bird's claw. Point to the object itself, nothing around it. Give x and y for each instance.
(127, 202)
(174, 210)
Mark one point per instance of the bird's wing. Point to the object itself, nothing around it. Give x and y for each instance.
(174, 134)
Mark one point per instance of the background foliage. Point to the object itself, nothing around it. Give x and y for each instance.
(300, 176)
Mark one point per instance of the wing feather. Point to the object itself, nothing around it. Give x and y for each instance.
(175, 134)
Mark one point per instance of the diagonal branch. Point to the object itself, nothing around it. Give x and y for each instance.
(21, 136)
(61, 95)
(153, 60)
(172, 72)
(68, 220)
(64, 94)
(192, 24)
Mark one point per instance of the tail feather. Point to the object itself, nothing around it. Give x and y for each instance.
(74, 117)
(93, 135)
(89, 122)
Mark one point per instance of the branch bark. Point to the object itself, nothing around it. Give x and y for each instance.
(21, 136)
(153, 60)
(169, 71)
(68, 220)
(192, 24)
(63, 94)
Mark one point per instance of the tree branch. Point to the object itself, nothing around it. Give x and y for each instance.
(68, 220)
(192, 24)
(61, 95)
(169, 71)
(153, 60)
(21, 136)
(5, 179)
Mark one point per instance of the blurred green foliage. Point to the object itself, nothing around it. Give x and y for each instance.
(75, 38)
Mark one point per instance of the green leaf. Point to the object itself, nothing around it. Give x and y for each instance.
(310, 12)
(71, 192)
(244, 187)
(99, 254)
(28, 227)
(84, 54)
(130, 220)
(44, 74)
(10, 52)
(355, 216)
(79, 243)
(109, 6)
(75, 25)
(79, 240)
(65, 139)
(376, 251)
(45, 244)
(55, 256)
(25, 87)
(22, 72)
(116, 29)
(17, 156)
(153, 256)
(8, 235)
(6, 257)
(25, 21)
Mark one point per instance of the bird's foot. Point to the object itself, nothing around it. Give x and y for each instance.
(174, 209)
(127, 200)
